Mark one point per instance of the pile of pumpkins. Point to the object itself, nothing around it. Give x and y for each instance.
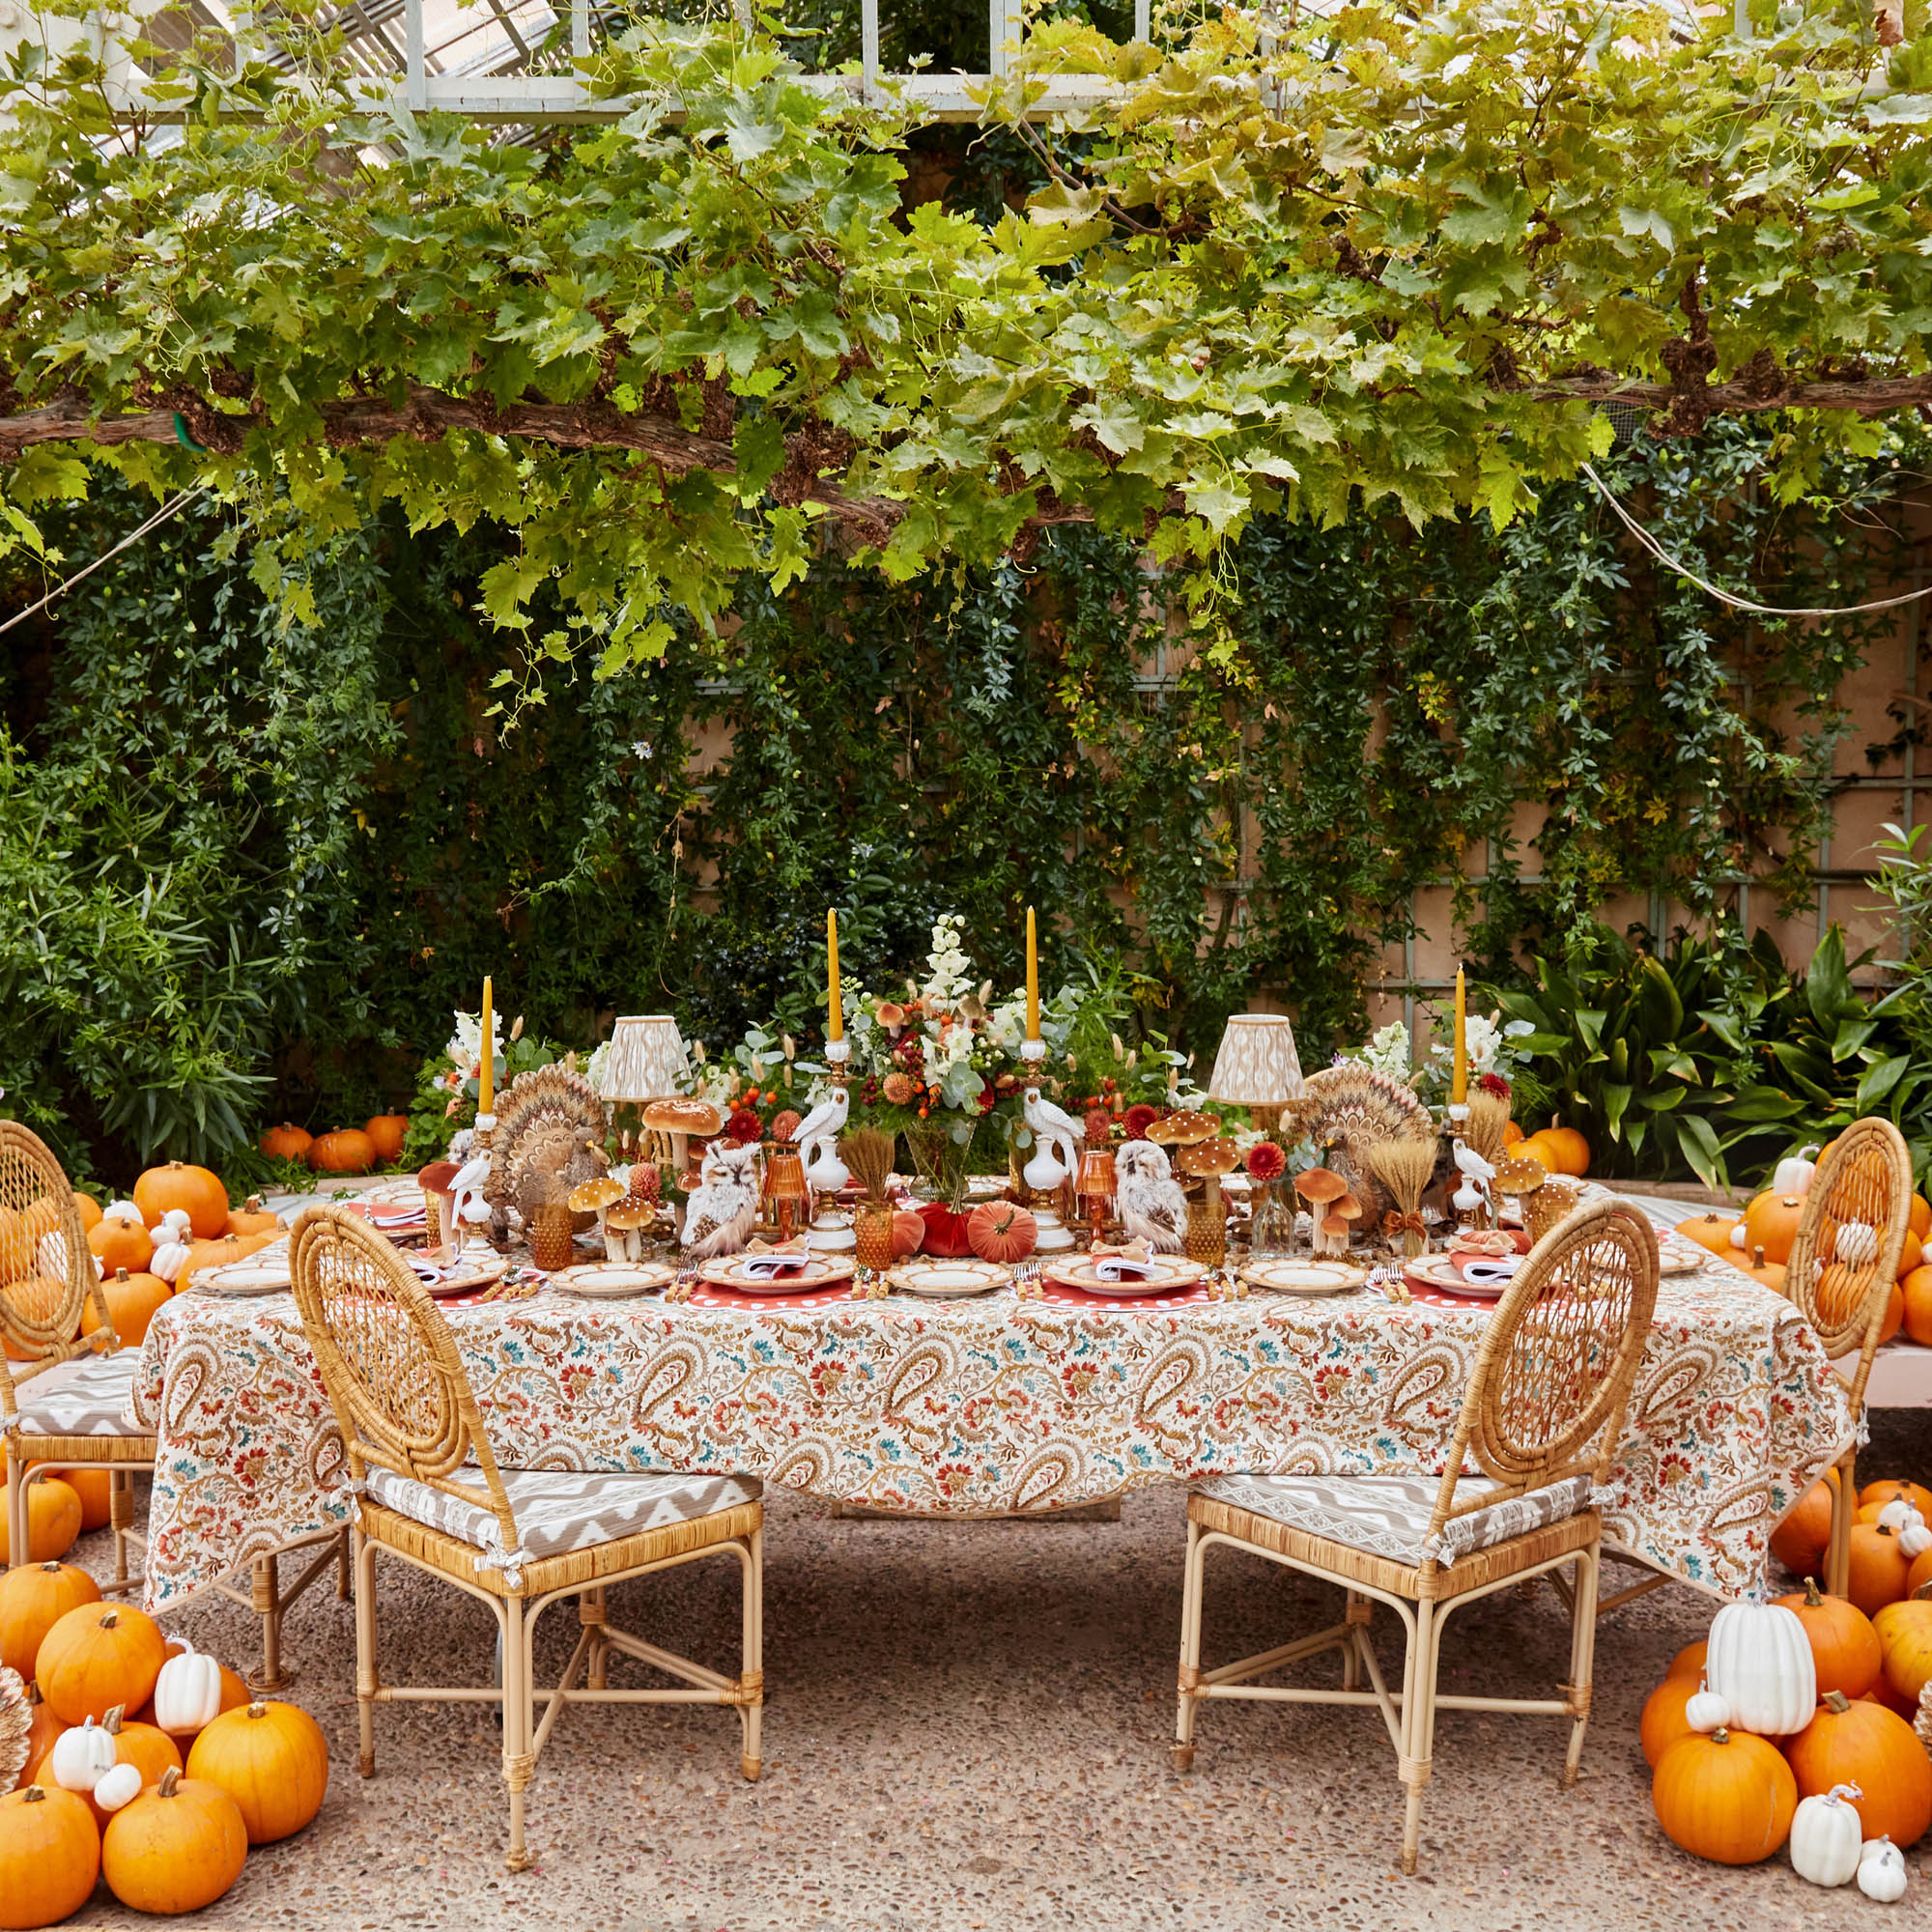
(1891, 1541)
(1784, 1725)
(1561, 1149)
(1759, 1241)
(376, 1143)
(162, 1803)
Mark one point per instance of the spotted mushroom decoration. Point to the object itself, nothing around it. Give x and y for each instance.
(596, 1197)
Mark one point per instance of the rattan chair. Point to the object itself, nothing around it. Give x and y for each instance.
(1542, 1418)
(55, 1417)
(1840, 1283)
(430, 1492)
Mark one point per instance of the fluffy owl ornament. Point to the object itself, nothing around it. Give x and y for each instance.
(724, 1206)
(1152, 1206)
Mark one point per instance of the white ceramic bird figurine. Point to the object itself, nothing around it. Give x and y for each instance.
(1154, 1207)
(471, 1209)
(724, 1206)
(1055, 1134)
(1477, 1173)
(817, 1142)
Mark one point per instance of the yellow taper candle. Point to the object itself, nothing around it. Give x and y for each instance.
(835, 1004)
(486, 1072)
(1458, 1080)
(1033, 979)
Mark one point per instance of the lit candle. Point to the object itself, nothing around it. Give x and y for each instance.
(1459, 1082)
(1033, 979)
(486, 1073)
(835, 1021)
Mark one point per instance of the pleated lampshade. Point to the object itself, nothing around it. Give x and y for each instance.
(1257, 1066)
(646, 1059)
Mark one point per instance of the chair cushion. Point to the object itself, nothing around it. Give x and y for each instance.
(1388, 1515)
(92, 1395)
(559, 1510)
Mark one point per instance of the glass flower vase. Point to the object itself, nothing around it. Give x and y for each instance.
(942, 1162)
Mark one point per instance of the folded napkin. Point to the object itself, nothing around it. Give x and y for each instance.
(774, 1265)
(1485, 1272)
(425, 1271)
(1132, 1263)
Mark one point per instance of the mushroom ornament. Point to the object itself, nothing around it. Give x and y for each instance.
(598, 1196)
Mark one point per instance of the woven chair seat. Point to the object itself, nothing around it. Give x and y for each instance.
(1388, 1515)
(92, 1395)
(561, 1510)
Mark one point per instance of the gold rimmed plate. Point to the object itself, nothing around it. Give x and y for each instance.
(1438, 1274)
(1167, 1274)
(813, 1273)
(1309, 1277)
(945, 1280)
(244, 1278)
(614, 1281)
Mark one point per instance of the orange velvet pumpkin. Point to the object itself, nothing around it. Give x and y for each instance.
(96, 1658)
(999, 1231)
(253, 1219)
(1844, 1646)
(1727, 1796)
(53, 1522)
(176, 1848)
(1798, 1542)
(389, 1131)
(271, 1758)
(1770, 1223)
(34, 1597)
(1905, 1636)
(1878, 1570)
(288, 1142)
(1865, 1744)
(194, 1190)
(50, 1856)
(908, 1232)
(347, 1150)
(131, 1301)
(120, 1241)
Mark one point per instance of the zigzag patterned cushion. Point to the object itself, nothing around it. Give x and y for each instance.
(1388, 1515)
(92, 1395)
(559, 1510)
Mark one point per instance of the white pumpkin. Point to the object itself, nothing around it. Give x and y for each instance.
(81, 1754)
(1856, 1244)
(1759, 1663)
(1914, 1539)
(1882, 1871)
(123, 1211)
(117, 1787)
(187, 1693)
(50, 1254)
(1825, 1842)
(1895, 1513)
(1708, 1712)
(1792, 1174)
(1738, 1236)
(173, 1233)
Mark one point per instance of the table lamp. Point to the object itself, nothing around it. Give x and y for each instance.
(1257, 1068)
(646, 1061)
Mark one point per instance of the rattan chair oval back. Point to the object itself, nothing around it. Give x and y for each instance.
(1542, 1417)
(431, 1492)
(1839, 1277)
(66, 1397)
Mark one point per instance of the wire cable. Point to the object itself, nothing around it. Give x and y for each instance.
(133, 536)
(1664, 557)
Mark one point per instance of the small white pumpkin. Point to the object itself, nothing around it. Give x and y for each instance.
(1826, 1844)
(1760, 1662)
(1708, 1712)
(187, 1693)
(123, 1211)
(1882, 1871)
(81, 1754)
(50, 1254)
(1792, 1174)
(172, 1234)
(1894, 1515)
(1857, 1244)
(1914, 1539)
(1738, 1236)
(117, 1787)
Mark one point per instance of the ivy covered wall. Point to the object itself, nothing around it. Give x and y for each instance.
(251, 870)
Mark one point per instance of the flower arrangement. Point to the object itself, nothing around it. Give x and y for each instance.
(445, 1103)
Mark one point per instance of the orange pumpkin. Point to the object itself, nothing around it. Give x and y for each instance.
(1689, 1662)
(1663, 1721)
(1918, 1291)
(1798, 1542)
(1882, 1694)
(1766, 1273)
(1905, 1636)
(1770, 1223)
(194, 1190)
(217, 1253)
(95, 1490)
(1844, 1646)
(389, 1131)
(131, 1301)
(34, 1597)
(288, 1142)
(1541, 1146)
(1911, 1255)
(346, 1150)
(908, 1232)
(1889, 1487)
(1878, 1568)
(53, 1522)
(1710, 1229)
(42, 1728)
(88, 1208)
(176, 1848)
(1727, 1796)
(1921, 1573)
(148, 1750)
(998, 1231)
(253, 1219)
(1867, 1745)
(271, 1758)
(120, 1241)
(94, 1659)
(50, 1856)
(1920, 1217)
(1512, 1133)
(36, 1298)
(1573, 1151)
(1894, 1314)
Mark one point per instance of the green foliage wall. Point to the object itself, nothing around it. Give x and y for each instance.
(254, 868)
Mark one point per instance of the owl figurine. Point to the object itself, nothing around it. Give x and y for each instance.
(1152, 1205)
(724, 1206)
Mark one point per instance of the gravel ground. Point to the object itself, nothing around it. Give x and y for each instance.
(966, 1731)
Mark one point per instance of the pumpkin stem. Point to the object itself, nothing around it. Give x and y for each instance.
(170, 1778)
(1720, 1736)
(1813, 1599)
(1838, 1703)
(33, 1795)
(120, 1274)
(111, 1620)
(258, 1709)
(52, 1569)
(111, 1723)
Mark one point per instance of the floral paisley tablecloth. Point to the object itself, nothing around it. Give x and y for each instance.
(987, 1406)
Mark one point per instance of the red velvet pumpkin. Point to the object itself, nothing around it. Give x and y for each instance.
(999, 1230)
(908, 1232)
(946, 1232)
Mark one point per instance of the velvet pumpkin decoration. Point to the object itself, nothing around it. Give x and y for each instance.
(908, 1234)
(999, 1231)
(946, 1232)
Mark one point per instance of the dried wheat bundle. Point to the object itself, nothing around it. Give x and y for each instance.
(869, 1154)
(1404, 1167)
(1487, 1122)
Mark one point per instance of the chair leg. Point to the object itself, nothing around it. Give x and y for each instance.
(592, 1613)
(344, 1569)
(1582, 1657)
(1193, 1578)
(1842, 1479)
(17, 1507)
(1418, 1726)
(368, 1679)
(753, 1680)
(267, 1585)
(121, 1515)
(1357, 1612)
(518, 1761)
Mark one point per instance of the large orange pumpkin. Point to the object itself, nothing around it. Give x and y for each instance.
(1921, 1573)
(176, 1848)
(95, 1490)
(271, 1758)
(1727, 1796)
(1844, 1646)
(1573, 1151)
(34, 1597)
(194, 1190)
(1770, 1223)
(1663, 1721)
(121, 1242)
(1911, 1255)
(53, 1522)
(1689, 1662)
(347, 1150)
(148, 1750)
(1894, 1313)
(1766, 1273)
(1878, 1568)
(95, 1658)
(1888, 1488)
(1541, 1146)
(1865, 1744)
(253, 1219)
(1920, 1217)
(1710, 1229)
(131, 1301)
(87, 1207)
(1917, 1287)
(386, 1134)
(288, 1142)
(1905, 1636)
(1798, 1542)
(50, 1856)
